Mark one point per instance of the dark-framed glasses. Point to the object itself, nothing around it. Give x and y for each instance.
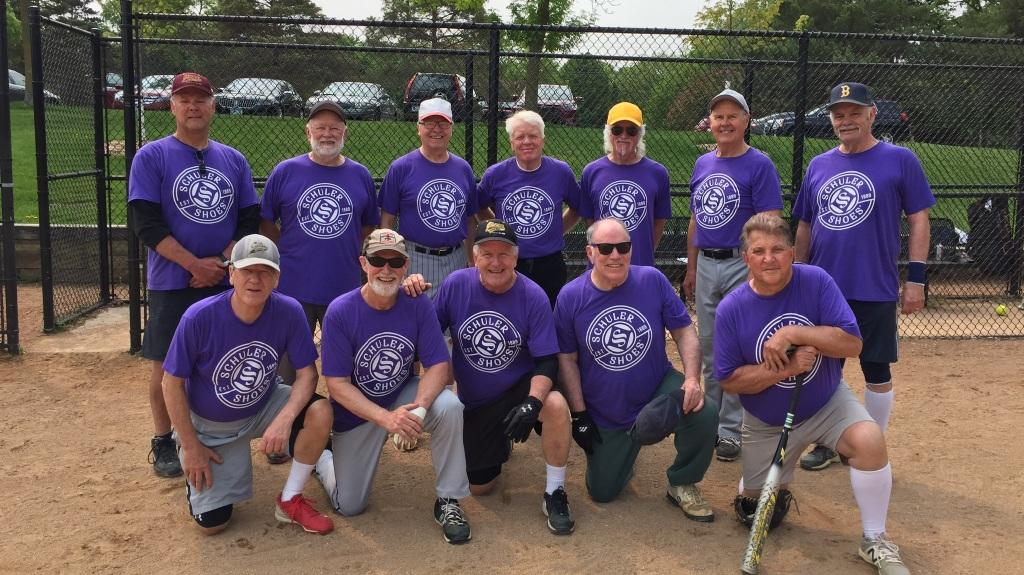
(378, 261)
(630, 130)
(605, 249)
(202, 162)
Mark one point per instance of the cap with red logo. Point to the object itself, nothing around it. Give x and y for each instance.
(191, 81)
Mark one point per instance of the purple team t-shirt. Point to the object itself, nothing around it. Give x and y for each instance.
(199, 206)
(229, 366)
(377, 349)
(619, 336)
(745, 321)
(495, 336)
(322, 210)
(433, 202)
(637, 194)
(531, 202)
(726, 192)
(854, 204)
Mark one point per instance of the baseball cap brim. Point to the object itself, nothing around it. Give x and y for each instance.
(436, 115)
(723, 97)
(482, 240)
(849, 101)
(246, 262)
(330, 106)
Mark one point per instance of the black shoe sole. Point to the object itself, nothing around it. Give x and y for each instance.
(166, 475)
(726, 458)
(551, 527)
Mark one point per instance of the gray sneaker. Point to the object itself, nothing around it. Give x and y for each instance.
(728, 449)
(452, 519)
(884, 555)
(818, 458)
(556, 508)
(689, 498)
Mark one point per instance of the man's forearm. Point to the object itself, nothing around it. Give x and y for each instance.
(920, 236)
(830, 341)
(803, 241)
(751, 379)
(432, 382)
(178, 409)
(302, 391)
(571, 384)
(688, 346)
(346, 394)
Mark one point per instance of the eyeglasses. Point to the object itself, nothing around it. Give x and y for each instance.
(202, 163)
(605, 249)
(434, 124)
(378, 262)
(631, 130)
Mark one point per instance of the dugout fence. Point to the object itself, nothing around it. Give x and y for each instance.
(956, 102)
(8, 275)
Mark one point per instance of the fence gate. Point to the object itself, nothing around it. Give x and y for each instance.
(8, 273)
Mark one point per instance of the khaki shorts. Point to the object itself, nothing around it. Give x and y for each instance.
(823, 428)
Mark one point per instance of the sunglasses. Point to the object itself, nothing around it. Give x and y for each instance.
(378, 262)
(606, 249)
(631, 130)
(435, 124)
(202, 163)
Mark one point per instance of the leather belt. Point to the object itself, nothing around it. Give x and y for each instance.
(720, 254)
(434, 252)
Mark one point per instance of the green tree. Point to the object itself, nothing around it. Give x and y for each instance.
(591, 80)
(438, 13)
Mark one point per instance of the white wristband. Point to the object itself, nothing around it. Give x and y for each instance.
(419, 412)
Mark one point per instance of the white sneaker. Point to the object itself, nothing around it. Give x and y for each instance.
(884, 555)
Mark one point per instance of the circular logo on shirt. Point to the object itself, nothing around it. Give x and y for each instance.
(717, 199)
(383, 363)
(489, 341)
(619, 338)
(324, 211)
(529, 211)
(440, 205)
(244, 374)
(203, 198)
(624, 200)
(770, 329)
(845, 200)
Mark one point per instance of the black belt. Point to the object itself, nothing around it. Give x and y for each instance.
(434, 252)
(721, 254)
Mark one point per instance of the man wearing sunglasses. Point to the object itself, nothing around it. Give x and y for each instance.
(729, 185)
(432, 193)
(189, 199)
(627, 185)
(372, 336)
(611, 324)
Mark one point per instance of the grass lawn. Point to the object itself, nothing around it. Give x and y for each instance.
(267, 141)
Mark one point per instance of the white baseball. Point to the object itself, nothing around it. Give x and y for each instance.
(420, 412)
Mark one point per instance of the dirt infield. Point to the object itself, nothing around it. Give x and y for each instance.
(81, 498)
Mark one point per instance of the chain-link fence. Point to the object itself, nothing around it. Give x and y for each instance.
(73, 225)
(8, 272)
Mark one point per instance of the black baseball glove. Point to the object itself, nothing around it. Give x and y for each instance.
(522, 418)
(584, 432)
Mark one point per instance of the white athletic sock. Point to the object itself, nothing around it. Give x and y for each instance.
(297, 478)
(879, 405)
(556, 478)
(740, 486)
(871, 489)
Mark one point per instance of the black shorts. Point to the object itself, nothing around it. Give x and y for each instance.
(483, 428)
(548, 271)
(165, 311)
(877, 323)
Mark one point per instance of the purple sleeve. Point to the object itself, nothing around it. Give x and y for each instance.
(390, 189)
(371, 213)
(543, 340)
(430, 344)
(802, 208)
(300, 348)
(145, 176)
(673, 311)
(663, 195)
(728, 349)
(471, 193)
(269, 208)
(336, 344)
(767, 188)
(564, 327)
(441, 304)
(246, 188)
(571, 196)
(586, 207)
(181, 355)
(835, 311)
(917, 193)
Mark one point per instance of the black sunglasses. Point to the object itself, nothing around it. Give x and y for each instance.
(631, 130)
(621, 247)
(202, 163)
(378, 262)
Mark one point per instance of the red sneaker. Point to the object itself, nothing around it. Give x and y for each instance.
(299, 510)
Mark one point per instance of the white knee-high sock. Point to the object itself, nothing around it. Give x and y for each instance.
(555, 478)
(872, 489)
(879, 405)
(297, 478)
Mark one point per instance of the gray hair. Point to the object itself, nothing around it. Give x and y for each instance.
(524, 117)
(641, 145)
(768, 224)
(593, 227)
(476, 250)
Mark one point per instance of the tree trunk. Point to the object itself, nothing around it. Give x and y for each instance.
(536, 46)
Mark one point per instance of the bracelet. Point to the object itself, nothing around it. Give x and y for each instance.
(223, 260)
(916, 273)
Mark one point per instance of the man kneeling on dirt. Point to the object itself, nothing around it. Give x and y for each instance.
(221, 392)
(783, 307)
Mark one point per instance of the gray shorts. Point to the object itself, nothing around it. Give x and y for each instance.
(822, 428)
(232, 479)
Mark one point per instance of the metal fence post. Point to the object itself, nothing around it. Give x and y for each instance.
(102, 227)
(471, 103)
(1018, 226)
(492, 95)
(748, 93)
(42, 168)
(10, 279)
(801, 107)
(134, 260)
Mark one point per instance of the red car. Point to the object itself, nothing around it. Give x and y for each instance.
(155, 93)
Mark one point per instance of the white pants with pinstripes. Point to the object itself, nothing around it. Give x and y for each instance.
(435, 268)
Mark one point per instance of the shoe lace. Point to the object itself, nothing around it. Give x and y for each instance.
(694, 495)
(300, 506)
(451, 513)
(558, 503)
(885, 551)
(159, 449)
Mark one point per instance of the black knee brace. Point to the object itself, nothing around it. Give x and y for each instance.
(215, 517)
(876, 373)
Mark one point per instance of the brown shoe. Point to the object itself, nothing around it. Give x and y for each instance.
(691, 501)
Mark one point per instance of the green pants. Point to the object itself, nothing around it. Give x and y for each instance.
(610, 466)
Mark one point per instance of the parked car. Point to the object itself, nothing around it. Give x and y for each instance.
(770, 122)
(154, 93)
(16, 89)
(111, 86)
(704, 125)
(505, 109)
(452, 87)
(261, 96)
(555, 103)
(891, 124)
(359, 100)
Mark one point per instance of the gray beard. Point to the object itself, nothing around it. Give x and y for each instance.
(384, 290)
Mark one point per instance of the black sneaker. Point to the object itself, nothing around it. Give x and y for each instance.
(163, 454)
(728, 449)
(818, 458)
(556, 507)
(452, 520)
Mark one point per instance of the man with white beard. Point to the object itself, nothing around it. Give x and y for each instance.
(318, 208)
